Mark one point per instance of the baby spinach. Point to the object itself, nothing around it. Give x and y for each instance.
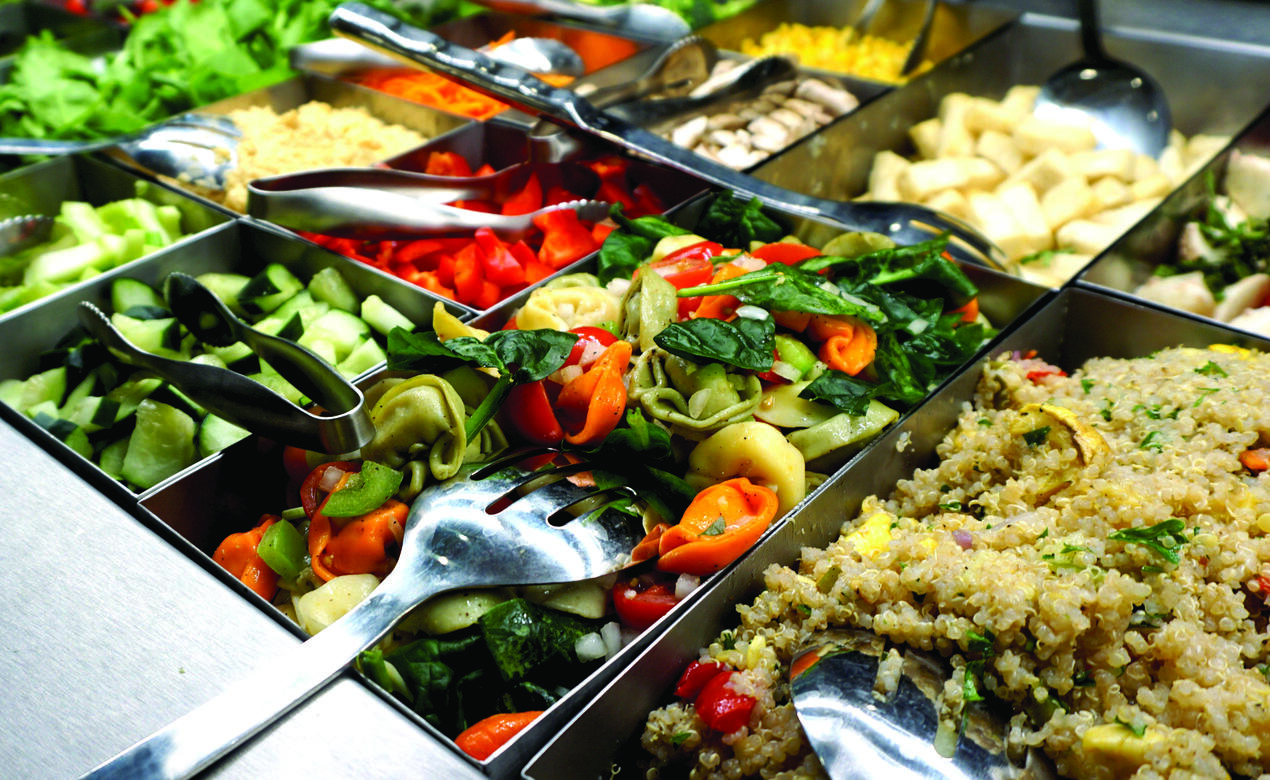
(780, 287)
(744, 342)
(626, 249)
(735, 222)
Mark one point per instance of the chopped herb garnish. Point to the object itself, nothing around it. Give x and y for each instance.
(1044, 534)
(1138, 731)
(970, 685)
(984, 421)
(680, 737)
(1204, 392)
(1149, 442)
(1037, 435)
(804, 609)
(1083, 679)
(1086, 385)
(827, 580)
(894, 524)
(728, 640)
(951, 506)
(1068, 549)
(1265, 671)
(1162, 538)
(981, 644)
(1211, 369)
(1106, 409)
(716, 528)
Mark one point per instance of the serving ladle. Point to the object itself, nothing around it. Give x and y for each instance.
(1125, 107)
(905, 223)
(858, 733)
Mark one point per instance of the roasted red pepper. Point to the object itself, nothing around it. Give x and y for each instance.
(695, 678)
(721, 707)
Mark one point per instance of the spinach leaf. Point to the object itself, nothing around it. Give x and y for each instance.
(640, 455)
(735, 223)
(786, 288)
(628, 247)
(920, 268)
(522, 637)
(744, 342)
(1163, 538)
(841, 390)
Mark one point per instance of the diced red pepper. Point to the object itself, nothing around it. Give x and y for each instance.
(528, 410)
(1036, 376)
(501, 266)
(489, 295)
(616, 192)
(639, 609)
(785, 253)
(447, 164)
(564, 238)
(587, 335)
(721, 707)
(528, 199)
(467, 273)
(695, 678)
(601, 231)
(558, 194)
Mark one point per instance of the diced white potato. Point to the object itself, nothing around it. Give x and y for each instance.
(950, 202)
(1126, 216)
(1034, 231)
(319, 608)
(1203, 147)
(1172, 163)
(1244, 294)
(990, 214)
(955, 140)
(1248, 182)
(1156, 186)
(922, 179)
(1086, 236)
(1110, 192)
(1070, 199)
(1020, 99)
(982, 115)
(1097, 163)
(885, 174)
(1255, 320)
(1055, 268)
(1035, 136)
(1144, 167)
(925, 136)
(1045, 170)
(999, 147)
(1184, 291)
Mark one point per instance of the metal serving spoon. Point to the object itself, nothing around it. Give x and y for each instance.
(859, 734)
(496, 524)
(336, 56)
(195, 148)
(1127, 108)
(904, 222)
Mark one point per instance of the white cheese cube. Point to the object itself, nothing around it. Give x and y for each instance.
(925, 137)
(1070, 199)
(884, 176)
(1000, 149)
(1097, 163)
(1035, 136)
(1110, 192)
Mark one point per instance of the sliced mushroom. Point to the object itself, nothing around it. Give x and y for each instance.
(689, 134)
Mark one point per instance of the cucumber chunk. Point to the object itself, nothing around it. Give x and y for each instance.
(362, 359)
(111, 458)
(329, 287)
(45, 386)
(158, 335)
(216, 433)
(125, 294)
(339, 328)
(226, 286)
(383, 317)
(161, 445)
(268, 289)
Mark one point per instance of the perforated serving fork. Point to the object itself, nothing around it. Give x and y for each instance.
(498, 524)
(906, 223)
(198, 148)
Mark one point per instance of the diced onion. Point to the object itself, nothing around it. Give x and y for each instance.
(611, 633)
(330, 478)
(590, 647)
(686, 584)
(567, 374)
(752, 312)
(787, 371)
(963, 538)
(946, 737)
(748, 262)
(591, 351)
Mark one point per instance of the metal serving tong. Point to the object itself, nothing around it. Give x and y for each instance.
(378, 203)
(905, 223)
(238, 399)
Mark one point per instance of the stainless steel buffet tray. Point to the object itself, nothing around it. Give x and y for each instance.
(1071, 327)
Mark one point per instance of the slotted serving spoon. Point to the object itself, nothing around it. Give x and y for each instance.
(858, 734)
(494, 525)
(903, 222)
(197, 148)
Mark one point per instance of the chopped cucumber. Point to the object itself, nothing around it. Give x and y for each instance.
(382, 317)
(11, 392)
(225, 286)
(216, 433)
(65, 265)
(125, 294)
(161, 336)
(268, 289)
(84, 220)
(47, 386)
(303, 303)
(329, 287)
(111, 458)
(81, 391)
(161, 445)
(362, 359)
(341, 329)
(131, 393)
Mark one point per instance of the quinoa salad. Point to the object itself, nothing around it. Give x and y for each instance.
(1093, 550)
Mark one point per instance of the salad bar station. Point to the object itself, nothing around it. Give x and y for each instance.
(700, 388)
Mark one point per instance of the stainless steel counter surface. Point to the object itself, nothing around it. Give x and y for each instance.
(108, 632)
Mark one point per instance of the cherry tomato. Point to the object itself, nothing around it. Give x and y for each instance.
(528, 410)
(588, 335)
(639, 609)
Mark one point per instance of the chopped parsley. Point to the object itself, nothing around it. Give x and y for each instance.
(985, 421)
(1037, 436)
(804, 609)
(1044, 534)
(680, 737)
(1154, 412)
(951, 506)
(1083, 679)
(1211, 369)
(1162, 538)
(1265, 671)
(1204, 392)
(1149, 442)
(728, 640)
(1138, 731)
(1106, 409)
(716, 528)
(1087, 385)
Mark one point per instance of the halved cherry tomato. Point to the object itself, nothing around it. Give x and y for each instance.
(721, 707)
(587, 334)
(639, 609)
(688, 267)
(695, 678)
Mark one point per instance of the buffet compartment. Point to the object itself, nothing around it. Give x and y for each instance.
(302, 89)
(22, 19)
(837, 162)
(954, 27)
(1155, 242)
(1073, 326)
(41, 189)
(237, 247)
(502, 145)
(227, 493)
